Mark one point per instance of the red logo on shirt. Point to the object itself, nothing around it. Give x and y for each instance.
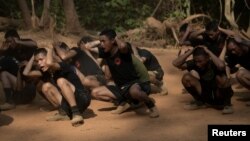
(117, 61)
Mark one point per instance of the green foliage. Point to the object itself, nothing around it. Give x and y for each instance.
(178, 10)
(124, 14)
(118, 14)
(56, 11)
(9, 8)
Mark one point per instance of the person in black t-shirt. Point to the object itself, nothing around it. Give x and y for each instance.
(91, 74)
(119, 60)
(61, 87)
(155, 71)
(212, 37)
(238, 52)
(212, 87)
(14, 46)
(20, 50)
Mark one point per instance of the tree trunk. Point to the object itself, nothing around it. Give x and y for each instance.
(72, 21)
(25, 13)
(229, 13)
(45, 19)
(34, 18)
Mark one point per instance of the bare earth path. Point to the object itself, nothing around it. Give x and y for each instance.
(27, 122)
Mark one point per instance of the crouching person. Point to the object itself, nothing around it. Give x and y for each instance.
(124, 73)
(212, 87)
(62, 87)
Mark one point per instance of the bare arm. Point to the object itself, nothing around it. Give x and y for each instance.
(31, 73)
(25, 43)
(184, 38)
(90, 46)
(63, 54)
(122, 46)
(195, 34)
(223, 52)
(53, 65)
(179, 62)
(136, 54)
(227, 31)
(218, 62)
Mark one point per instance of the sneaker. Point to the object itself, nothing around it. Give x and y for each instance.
(7, 106)
(121, 108)
(164, 90)
(57, 117)
(153, 112)
(195, 105)
(227, 110)
(77, 120)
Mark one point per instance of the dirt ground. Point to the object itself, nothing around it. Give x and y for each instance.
(27, 122)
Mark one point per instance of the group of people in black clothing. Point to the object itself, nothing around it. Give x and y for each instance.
(68, 78)
(112, 70)
(216, 52)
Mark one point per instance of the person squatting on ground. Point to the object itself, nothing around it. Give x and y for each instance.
(62, 87)
(212, 87)
(15, 52)
(238, 52)
(91, 74)
(120, 62)
(154, 69)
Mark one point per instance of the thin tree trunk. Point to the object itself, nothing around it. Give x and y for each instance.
(45, 19)
(229, 13)
(25, 13)
(72, 21)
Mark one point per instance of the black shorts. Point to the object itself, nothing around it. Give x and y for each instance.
(122, 93)
(117, 92)
(26, 95)
(83, 100)
(209, 93)
(101, 78)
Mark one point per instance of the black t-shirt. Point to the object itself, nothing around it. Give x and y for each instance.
(208, 74)
(195, 42)
(21, 52)
(151, 62)
(85, 63)
(244, 60)
(214, 46)
(121, 66)
(9, 64)
(66, 71)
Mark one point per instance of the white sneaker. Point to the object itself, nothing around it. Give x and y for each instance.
(227, 110)
(121, 108)
(153, 112)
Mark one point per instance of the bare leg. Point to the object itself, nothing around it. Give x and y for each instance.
(9, 83)
(243, 76)
(52, 94)
(188, 81)
(137, 93)
(193, 86)
(91, 82)
(103, 93)
(68, 92)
